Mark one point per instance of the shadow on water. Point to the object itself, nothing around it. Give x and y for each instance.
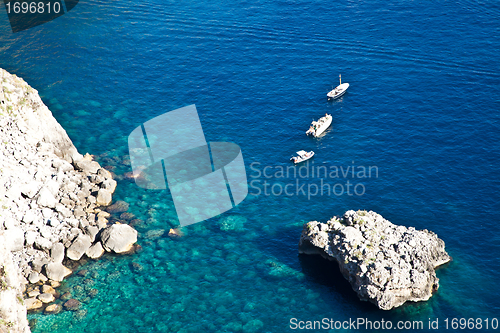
(326, 273)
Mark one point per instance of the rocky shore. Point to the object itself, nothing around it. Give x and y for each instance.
(386, 264)
(51, 200)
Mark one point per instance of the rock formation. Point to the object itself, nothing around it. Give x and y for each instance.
(385, 264)
(12, 307)
(50, 198)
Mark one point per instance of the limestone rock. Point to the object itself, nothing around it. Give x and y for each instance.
(103, 197)
(14, 239)
(46, 198)
(46, 298)
(118, 238)
(95, 251)
(57, 252)
(33, 303)
(57, 271)
(92, 232)
(30, 237)
(385, 264)
(33, 277)
(79, 246)
(53, 309)
(12, 310)
(86, 166)
(46, 289)
(43, 243)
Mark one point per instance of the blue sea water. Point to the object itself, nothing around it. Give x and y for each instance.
(422, 107)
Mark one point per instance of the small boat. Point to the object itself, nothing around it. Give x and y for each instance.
(339, 90)
(318, 127)
(303, 156)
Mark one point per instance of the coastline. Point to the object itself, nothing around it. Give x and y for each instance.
(52, 201)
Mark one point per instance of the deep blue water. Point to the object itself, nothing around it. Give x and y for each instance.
(423, 107)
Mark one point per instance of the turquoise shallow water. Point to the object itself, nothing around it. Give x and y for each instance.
(422, 107)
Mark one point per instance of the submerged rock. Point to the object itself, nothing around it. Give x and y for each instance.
(53, 309)
(72, 304)
(118, 207)
(385, 264)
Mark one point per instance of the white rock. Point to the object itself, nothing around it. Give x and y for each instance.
(42, 243)
(31, 189)
(57, 252)
(103, 197)
(57, 271)
(14, 239)
(34, 277)
(46, 297)
(118, 238)
(95, 251)
(29, 217)
(45, 198)
(79, 246)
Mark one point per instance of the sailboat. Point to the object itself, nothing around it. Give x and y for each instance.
(339, 90)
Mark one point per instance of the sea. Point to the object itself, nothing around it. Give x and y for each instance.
(419, 126)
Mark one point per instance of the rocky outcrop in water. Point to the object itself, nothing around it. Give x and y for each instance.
(386, 264)
(50, 195)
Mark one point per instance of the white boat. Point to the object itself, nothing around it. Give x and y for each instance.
(339, 90)
(303, 156)
(318, 127)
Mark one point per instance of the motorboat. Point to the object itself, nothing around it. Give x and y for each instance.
(303, 156)
(339, 90)
(318, 127)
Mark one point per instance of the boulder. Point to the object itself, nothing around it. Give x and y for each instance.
(46, 298)
(109, 184)
(92, 232)
(53, 309)
(118, 238)
(15, 239)
(33, 277)
(46, 289)
(31, 189)
(79, 246)
(33, 303)
(95, 251)
(45, 198)
(57, 252)
(30, 237)
(385, 264)
(103, 197)
(33, 293)
(86, 166)
(42, 243)
(57, 271)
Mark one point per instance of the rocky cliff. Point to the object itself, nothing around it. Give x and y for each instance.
(50, 199)
(385, 264)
